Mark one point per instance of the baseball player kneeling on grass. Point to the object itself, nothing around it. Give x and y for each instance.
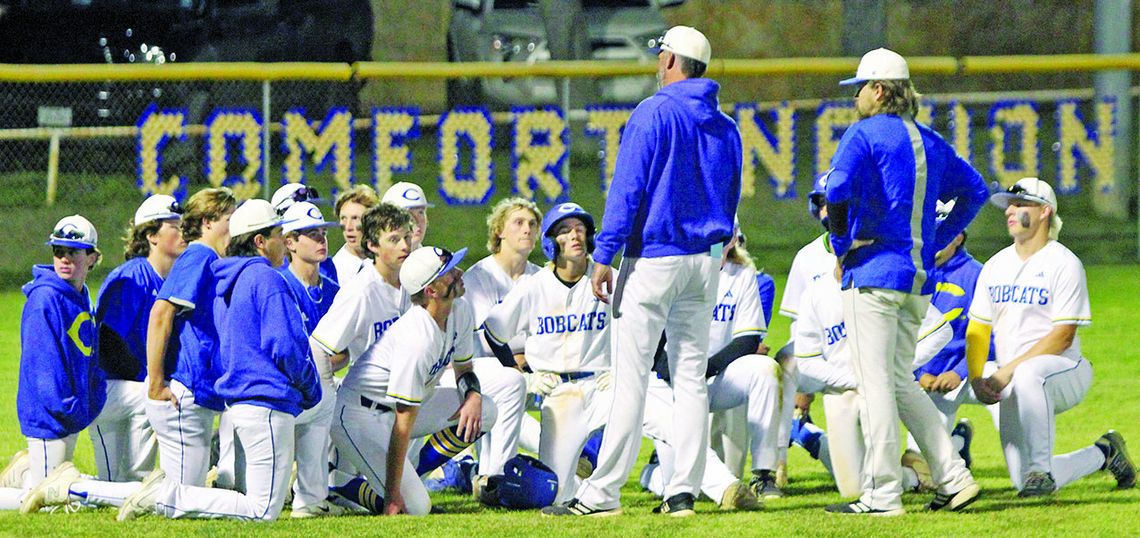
(61, 388)
(823, 364)
(1032, 297)
(567, 341)
(736, 375)
(390, 396)
(267, 377)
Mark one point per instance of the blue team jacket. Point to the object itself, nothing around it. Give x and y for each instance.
(954, 290)
(61, 386)
(874, 170)
(123, 307)
(264, 355)
(677, 180)
(190, 285)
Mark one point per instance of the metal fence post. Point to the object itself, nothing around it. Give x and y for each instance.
(266, 120)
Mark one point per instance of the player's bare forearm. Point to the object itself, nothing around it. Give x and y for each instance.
(159, 327)
(1055, 342)
(339, 361)
(977, 347)
(398, 453)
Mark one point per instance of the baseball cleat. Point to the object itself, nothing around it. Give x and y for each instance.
(679, 505)
(913, 460)
(54, 490)
(955, 501)
(738, 496)
(573, 507)
(1038, 484)
(857, 507)
(763, 485)
(965, 430)
(321, 509)
(142, 501)
(1116, 459)
(13, 474)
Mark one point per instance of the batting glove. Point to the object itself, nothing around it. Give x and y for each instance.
(541, 383)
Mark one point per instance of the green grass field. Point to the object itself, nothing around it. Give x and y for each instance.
(1089, 507)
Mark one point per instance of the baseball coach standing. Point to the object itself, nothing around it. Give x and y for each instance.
(671, 206)
(886, 178)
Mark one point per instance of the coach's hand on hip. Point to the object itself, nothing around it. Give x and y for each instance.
(162, 393)
(603, 282)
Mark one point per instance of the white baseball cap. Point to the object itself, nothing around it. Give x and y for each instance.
(158, 207)
(879, 64)
(406, 195)
(291, 193)
(253, 215)
(303, 216)
(686, 41)
(1031, 189)
(425, 264)
(74, 232)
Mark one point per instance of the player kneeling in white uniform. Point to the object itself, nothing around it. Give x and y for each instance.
(737, 375)
(1032, 297)
(267, 376)
(567, 346)
(823, 364)
(389, 396)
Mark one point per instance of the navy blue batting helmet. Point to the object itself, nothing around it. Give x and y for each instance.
(557, 214)
(817, 198)
(527, 483)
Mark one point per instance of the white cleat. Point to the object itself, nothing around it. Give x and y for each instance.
(142, 501)
(13, 474)
(321, 509)
(53, 491)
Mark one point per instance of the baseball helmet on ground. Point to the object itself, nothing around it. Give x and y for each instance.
(556, 215)
(527, 483)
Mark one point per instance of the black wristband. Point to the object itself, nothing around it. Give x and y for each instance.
(468, 383)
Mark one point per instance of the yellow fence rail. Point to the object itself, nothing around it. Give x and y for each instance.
(931, 65)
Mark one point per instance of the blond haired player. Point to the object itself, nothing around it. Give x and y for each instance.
(1032, 297)
(350, 207)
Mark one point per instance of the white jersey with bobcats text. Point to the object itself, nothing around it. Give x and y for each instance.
(814, 260)
(821, 332)
(1024, 300)
(364, 308)
(566, 328)
(405, 366)
(737, 311)
(487, 284)
(347, 264)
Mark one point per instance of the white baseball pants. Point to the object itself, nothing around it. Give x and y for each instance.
(882, 329)
(266, 438)
(311, 450)
(728, 437)
(1042, 388)
(570, 414)
(124, 443)
(948, 403)
(362, 434)
(673, 294)
(183, 436)
(659, 426)
(44, 455)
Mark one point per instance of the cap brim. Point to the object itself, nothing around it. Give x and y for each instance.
(852, 81)
(288, 229)
(68, 244)
(1003, 199)
(456, 257)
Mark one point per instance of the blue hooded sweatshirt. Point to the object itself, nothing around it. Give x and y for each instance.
(954, 283)
(264, 353)
(677, 180)
(61, 387)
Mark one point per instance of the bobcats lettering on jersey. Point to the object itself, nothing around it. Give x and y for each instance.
(1019, 294)
(569, 323)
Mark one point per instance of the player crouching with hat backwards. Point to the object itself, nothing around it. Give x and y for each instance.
(567, 341)
(267, 375)
(1032, 297)
(390, 394)
(61, 388)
